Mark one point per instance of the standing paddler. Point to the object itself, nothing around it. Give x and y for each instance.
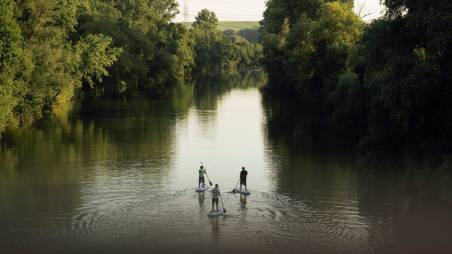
(215, 195)
(243, 175)
(202, 180)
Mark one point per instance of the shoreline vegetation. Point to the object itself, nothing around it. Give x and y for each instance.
(384, 85)
(55, 52)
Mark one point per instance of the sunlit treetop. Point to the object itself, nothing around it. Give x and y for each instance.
(206, 18)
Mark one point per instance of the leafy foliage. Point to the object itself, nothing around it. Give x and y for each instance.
(206, 18)
(385, 83)
(308, 51)
(50, 49)
(251, 35)
(215, 51)
(10, 40)
(406, 69)
(39, 62)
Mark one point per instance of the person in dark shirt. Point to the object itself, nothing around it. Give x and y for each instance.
(243, 175)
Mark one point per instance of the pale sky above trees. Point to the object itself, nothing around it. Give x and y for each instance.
(243, 10)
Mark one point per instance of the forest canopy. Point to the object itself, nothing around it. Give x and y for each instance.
(385, 84)
(51, 50)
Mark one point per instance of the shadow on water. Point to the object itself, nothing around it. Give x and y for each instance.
(390, 210)
(61, 177)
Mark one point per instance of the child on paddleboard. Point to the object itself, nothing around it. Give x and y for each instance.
(215, 195)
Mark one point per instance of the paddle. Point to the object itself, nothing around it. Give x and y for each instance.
(224, 209)
(233, 190)
(207, 175)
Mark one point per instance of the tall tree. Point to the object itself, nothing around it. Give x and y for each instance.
(155, 51)
(206, 18)
(306, 44)
(10, 50)
(405, 65)
(37, 35)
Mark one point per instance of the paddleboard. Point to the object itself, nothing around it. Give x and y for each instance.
(216, 214)
(198, 189)
(244, 192)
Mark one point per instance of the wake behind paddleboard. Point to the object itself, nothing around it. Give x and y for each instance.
(243, 191)
(198, 189)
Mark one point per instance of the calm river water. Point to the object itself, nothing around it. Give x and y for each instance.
(120, 176)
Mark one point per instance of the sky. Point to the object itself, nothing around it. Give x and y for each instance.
(251, 10)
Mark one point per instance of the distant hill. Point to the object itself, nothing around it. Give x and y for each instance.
(234, 25)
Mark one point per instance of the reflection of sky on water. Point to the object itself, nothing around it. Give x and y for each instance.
(224, 139)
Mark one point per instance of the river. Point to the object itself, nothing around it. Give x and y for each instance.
(119, 175)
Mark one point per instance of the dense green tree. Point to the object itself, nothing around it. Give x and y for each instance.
(52, 64)
(386, 85)
(155, 51)
(214, 51)
(229, 33)
(405, 66)
(206, 18)
(309, 51)
(95, 56)
(251, 34)
(247, 53)
(10, 50)
(52, 49)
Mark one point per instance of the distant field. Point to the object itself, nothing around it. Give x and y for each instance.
(237, 25)
(234, 25)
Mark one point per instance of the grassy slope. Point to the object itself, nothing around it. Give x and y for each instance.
(235, 25)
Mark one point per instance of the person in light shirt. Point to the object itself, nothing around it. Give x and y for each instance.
(215, 196)
(202, 180)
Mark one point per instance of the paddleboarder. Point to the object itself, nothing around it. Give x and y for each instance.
(243, 175)
(215, 195)
(202, 180)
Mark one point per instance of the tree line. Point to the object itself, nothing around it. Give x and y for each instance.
(53, 50)
(385, 84)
